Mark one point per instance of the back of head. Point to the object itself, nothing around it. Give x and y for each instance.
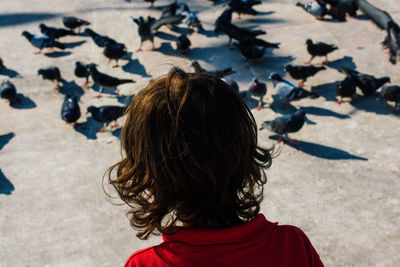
(191, 156)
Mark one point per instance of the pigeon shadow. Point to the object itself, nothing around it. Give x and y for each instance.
(345, 61)
(166, 49)
(5, 138)
(271, 63)
(57, 54)
(249, 100)
(10, 73)
(324, 112)
(117, 132)
(165, 36)
(207, 33)
(71, 88)
(74, 44)
(89, 128)
(12, 19)
(23, 102)
(135, 67)
(321, 151)
(373, 104)
(326, 90)
(125, 99)
(259, 21)
(6, 187)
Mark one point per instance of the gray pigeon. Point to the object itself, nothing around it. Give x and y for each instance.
(392, 93)
(283, 125)
(314, 9)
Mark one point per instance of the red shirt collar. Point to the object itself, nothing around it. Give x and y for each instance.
(257, 227)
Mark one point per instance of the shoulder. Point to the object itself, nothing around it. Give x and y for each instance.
(143, 257)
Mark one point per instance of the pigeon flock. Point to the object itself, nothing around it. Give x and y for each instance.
(250, 45)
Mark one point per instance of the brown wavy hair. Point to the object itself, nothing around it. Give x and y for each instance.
(190, 156)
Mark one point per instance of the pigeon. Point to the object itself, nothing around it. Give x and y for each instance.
(346, 88)
(55, 33)
(392, 93)
(99, 40)
(190, 18)
(283, 125)
(8, 92)
(106, 114)
(73, 22)
(314, 8)
(167, 20)
(241, 34)
(183, 43)
(288, 91)
(70, 111)
(258, 89)
(319, 49)
(233, 84)
(218, 73)
(151, 3)
(250, 51)
(52, 74)
(302, 72)
(114, 51)
(244, 7)
(42, 41)
(223, 22)
(106, 81)
(393, 41)
(367, 83)
(82, 71)
(144, 30)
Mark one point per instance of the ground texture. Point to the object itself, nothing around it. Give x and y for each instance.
(340, 184)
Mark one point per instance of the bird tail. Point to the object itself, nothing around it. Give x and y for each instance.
(59, 45)
(225, 72)
(266, 44)
(258, 32)
(126, 81)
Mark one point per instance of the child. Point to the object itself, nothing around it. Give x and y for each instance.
(193, 171)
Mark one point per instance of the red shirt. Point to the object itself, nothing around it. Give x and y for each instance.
(256, 243)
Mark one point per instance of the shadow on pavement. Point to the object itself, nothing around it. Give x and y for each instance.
(5, 138)
(6, 187)
(321, 151)
(23, 102)
(135, 67)
(11, 19)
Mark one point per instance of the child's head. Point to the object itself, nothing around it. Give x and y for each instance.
(191, 156)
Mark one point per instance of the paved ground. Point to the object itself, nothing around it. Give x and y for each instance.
(340, 184)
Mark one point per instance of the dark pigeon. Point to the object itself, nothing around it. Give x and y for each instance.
(319, 49)
(82, 71)
(106, 81)
(250, 51)
(244, 7)
(223, 22)
(42, 41)
(283, 125)
(367, 83)
(8, 92)
(70, 111)
(302, 72)
(73, 22)
(55, 33)
(392, 93)
(346, 88)
(114, 51)
(151, 3)
(106, 114)
(145, 30)
(99, 40)
(183, 43)
(259, 90)
(218, 73)
(53, 74)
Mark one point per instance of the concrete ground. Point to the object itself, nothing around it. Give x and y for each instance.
(340, 184)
